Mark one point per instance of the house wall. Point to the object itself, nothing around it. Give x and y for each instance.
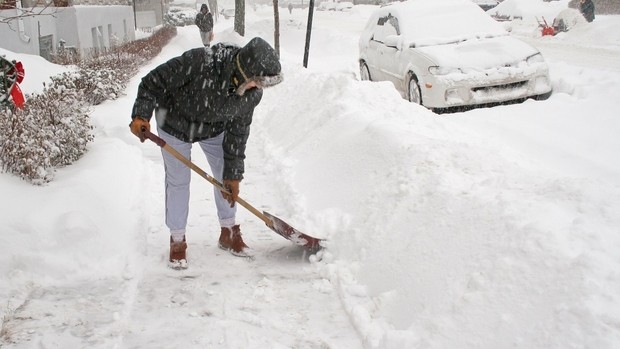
(146, 19)
(150, 13)
(88, 17)
(73, 24)
(22, 35)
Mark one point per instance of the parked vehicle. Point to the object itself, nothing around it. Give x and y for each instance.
(344, 6)
(327, 6)
(228, 13)
(486, 4)
(449, 55)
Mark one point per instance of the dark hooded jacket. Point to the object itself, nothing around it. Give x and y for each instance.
(204, 21)
(197, 101)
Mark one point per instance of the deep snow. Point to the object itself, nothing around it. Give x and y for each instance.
(491, 228)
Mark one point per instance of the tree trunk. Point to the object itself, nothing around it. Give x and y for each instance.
(276, 21)
(240, 17)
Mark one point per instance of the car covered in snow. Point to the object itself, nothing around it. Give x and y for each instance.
(344, 6)
(228, 13)
(327, 6)
(486, 4)
(529, 10)
(449, 53)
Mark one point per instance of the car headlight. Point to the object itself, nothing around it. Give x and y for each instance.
(536, 58)
(437, 70)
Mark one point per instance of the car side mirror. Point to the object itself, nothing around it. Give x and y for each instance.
(392, 41)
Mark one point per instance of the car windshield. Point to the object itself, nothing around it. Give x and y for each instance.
(431, 22)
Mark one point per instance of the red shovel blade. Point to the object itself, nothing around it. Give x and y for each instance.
(290, 233)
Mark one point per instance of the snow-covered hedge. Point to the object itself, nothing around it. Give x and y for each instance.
(53, 129)
(105, 77)
(180, 17)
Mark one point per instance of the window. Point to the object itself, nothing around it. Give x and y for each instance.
(385, 26)
(97, 34)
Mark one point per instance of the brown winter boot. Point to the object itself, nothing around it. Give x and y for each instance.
(177, 254)
(231, 240)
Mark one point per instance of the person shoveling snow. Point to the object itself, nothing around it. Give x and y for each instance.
(206, 96)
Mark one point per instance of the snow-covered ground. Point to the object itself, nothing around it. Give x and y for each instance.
(492, 228)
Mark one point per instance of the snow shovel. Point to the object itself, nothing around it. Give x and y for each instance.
(273, 222)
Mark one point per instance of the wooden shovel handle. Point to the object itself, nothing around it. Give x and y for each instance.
(160, 142)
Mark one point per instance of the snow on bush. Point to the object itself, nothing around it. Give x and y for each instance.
(53, 130)
(104, 78)
(180, 17)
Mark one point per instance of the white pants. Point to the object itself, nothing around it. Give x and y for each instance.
(178, 178)
(206, 38)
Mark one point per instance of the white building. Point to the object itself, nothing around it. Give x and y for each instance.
(77, 25)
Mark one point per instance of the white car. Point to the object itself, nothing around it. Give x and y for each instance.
(344, 6)
(448, 54)
(486, 4)
(228, 13)
(327, 6)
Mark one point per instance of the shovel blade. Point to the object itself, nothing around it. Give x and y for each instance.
(285, 230)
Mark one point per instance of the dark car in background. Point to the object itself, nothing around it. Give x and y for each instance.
(486, 4)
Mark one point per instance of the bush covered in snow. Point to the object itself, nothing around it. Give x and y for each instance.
(180, 17)
(53, 129)
(104, 78)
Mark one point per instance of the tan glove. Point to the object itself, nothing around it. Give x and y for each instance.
(138, 125)
(233, 188)
(211, 36)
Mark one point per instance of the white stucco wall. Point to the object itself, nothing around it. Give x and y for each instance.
(71, 24)
(146, 19)
(26, 40)
(88, 17)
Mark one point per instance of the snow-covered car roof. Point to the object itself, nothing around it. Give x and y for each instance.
(485, 2)
(529, 9)
(432, 22)
(344, 5)
(327, 5)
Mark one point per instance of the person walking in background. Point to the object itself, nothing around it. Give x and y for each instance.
(205, 96)
(587, 9)
(204, 21)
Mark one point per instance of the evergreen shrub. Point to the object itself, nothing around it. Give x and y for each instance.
(53, 129)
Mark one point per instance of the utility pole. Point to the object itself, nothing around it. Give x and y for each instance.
(308, 31)
(276, 21)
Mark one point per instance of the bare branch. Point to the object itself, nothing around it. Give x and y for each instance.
(29, 12)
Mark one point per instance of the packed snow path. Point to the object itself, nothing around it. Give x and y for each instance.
(275, 300)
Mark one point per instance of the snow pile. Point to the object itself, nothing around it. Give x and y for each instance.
(452, 233)
(38, 70)
(602, 33)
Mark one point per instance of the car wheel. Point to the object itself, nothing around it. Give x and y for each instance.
(364, 72)
(413, 90)
(543, 97)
